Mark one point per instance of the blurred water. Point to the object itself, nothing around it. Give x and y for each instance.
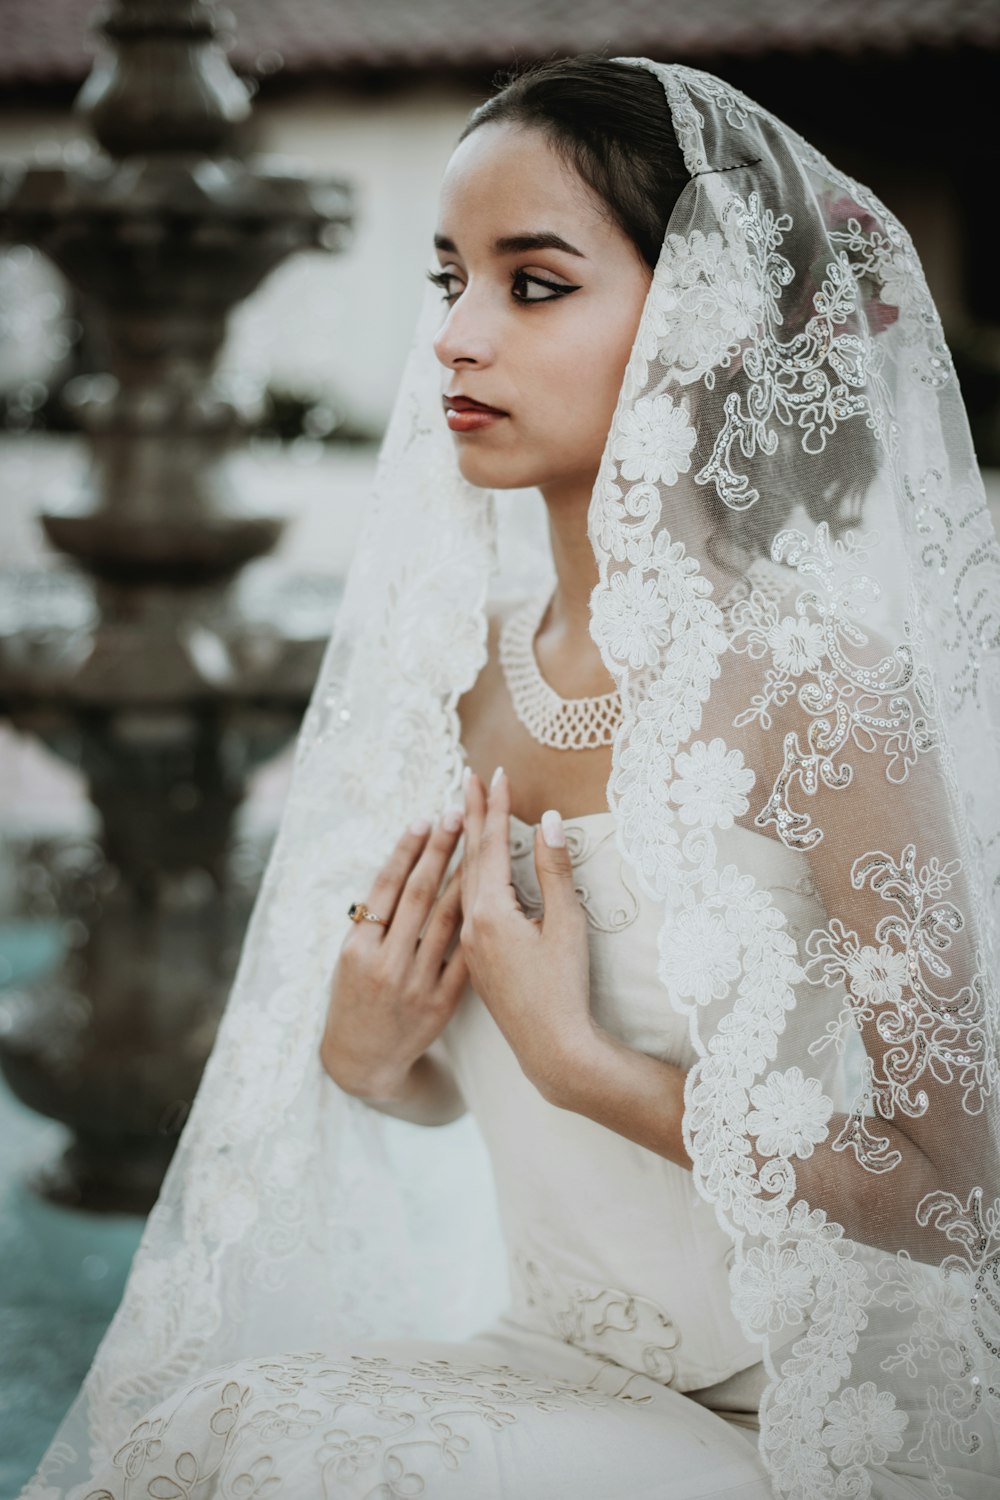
(62, 1271)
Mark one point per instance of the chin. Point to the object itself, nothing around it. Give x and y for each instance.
(490, 472)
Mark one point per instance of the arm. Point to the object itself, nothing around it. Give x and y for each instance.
(871, 1174)
(629, 1092)
(642, 1098)
(899, 954)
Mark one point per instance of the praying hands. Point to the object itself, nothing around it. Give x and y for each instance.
(532, 973)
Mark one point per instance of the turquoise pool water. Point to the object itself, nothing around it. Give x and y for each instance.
(62, 1271)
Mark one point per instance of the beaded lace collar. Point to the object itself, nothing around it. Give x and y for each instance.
(563, 723)
(583, 723)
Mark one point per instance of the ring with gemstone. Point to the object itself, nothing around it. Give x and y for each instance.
(358, 912)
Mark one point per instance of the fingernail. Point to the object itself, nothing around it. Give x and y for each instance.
(553, 831)
(420, 825)
(452, 819)
(496, 776)
(466, 776)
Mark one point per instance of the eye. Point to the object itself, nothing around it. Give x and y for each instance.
(522, 280)
(443, 279)
(522, 283)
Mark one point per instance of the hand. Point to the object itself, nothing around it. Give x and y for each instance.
(532, 973)
(393, 991)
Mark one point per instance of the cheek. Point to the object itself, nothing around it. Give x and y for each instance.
(568, 377)
(583, 376)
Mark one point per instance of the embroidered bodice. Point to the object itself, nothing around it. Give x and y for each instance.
(609, 1244)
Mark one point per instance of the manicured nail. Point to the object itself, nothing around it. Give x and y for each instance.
(466, 777)
(420, 825)
(553, 831)
(452, 819)
(496, 775)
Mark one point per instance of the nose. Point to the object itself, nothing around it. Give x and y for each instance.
(464, 338)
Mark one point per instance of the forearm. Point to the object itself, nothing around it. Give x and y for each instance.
(642, 1098)
(633, 1094)
(427, 1095)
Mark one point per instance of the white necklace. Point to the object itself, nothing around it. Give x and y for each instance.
(584, 723)
(563, 723)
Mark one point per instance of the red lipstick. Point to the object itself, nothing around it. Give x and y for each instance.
(465, 415)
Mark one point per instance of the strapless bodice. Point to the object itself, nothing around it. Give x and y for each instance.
(610, 1246)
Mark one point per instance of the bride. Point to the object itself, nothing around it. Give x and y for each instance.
(671, 865)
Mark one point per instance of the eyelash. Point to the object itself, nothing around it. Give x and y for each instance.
(442, 278)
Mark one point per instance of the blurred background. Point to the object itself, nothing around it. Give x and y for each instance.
(213, 230)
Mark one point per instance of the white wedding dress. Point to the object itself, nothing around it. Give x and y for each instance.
(618, 1371)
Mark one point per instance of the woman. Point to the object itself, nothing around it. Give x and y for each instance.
(728, 1031)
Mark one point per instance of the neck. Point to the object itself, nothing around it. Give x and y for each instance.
(575, 565)
(567, 655)
(566, 652)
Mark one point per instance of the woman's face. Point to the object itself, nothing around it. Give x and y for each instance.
(544, 295)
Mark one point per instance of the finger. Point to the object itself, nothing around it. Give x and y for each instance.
(475, 812)
(554, 871)
(423, 885)
(444, 922)
(495, 884)
(388, 884)
(453, 978)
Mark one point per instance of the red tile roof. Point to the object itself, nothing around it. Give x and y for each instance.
(50, 41)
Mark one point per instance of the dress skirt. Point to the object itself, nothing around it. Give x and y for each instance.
(511, 1414)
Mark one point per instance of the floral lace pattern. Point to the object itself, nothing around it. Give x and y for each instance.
(956, 1326)
(371, 1427)
(927, 1032)
(885, 702)
(810, 336)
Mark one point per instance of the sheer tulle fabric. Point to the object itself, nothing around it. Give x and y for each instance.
(790, 434)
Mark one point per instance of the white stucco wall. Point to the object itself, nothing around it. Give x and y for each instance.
(336, 323)
(347, 321)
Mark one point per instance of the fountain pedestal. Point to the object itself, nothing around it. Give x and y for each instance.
(138, 660)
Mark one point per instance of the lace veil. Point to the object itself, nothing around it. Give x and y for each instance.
(790, 440)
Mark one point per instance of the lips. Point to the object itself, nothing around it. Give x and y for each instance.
(466, 403)
(463, 415)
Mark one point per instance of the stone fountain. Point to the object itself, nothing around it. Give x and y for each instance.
(144, 659)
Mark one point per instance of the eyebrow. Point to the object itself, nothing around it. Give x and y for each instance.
(511, 244)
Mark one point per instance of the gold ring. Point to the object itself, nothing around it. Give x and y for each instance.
(358, 912)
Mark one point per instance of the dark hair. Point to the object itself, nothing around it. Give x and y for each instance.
(610, 122)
